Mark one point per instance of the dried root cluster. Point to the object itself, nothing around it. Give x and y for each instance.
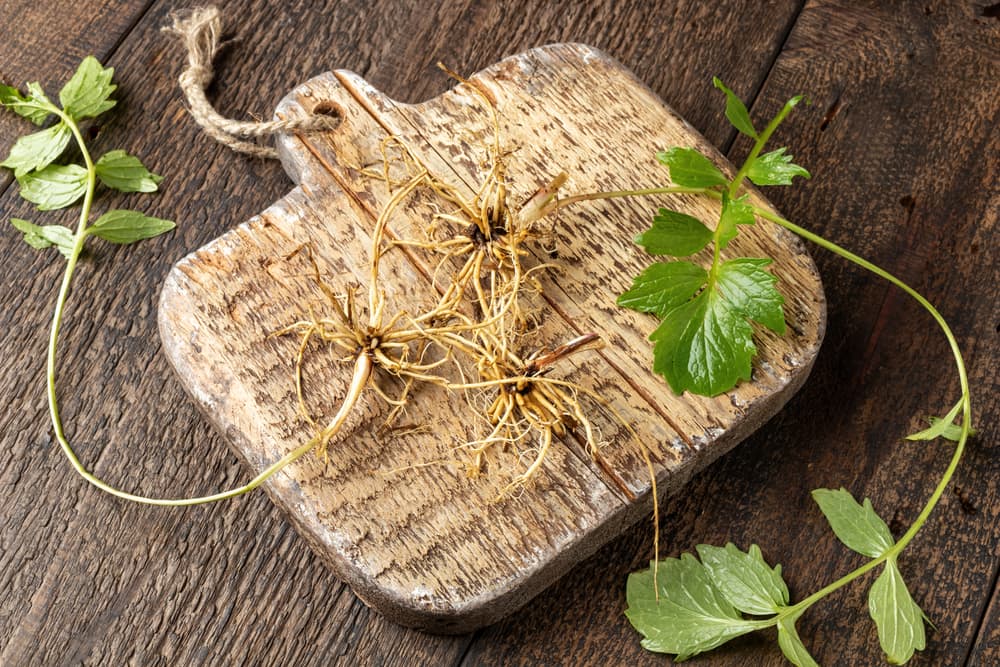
(478, 337)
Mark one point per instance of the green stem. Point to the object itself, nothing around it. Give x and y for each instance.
(966, 404)
(362, 373)
(590, 196)
(734, 185)
(897, 548)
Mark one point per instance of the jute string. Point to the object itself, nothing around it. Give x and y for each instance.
(199, 31)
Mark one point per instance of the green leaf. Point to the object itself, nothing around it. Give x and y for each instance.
(44, 237)
(56, 186)
(736, 111)
(744, 578)
(664, 286)
(86, 94)
(899, 620)
(734, 212)
(775, 168)
(791, 645)
(690, 168)
(944, 427)
(36, 107)
(691, 616)
(857, 526)
(124, 172)
(750, 289)
(703, 346)
(121, 226)
(37, 150)
(675, 234)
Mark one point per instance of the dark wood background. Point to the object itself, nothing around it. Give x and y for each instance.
(903, 143)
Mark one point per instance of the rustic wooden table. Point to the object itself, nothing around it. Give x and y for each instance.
(902, 141)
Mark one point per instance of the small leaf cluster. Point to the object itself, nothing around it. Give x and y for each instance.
(50, 185)
(704, 343)
(699, 606)
(899, 620)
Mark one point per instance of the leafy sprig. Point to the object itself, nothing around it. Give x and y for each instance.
(51, 185)
(703, 345)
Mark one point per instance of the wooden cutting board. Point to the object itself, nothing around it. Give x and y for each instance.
(393, 510)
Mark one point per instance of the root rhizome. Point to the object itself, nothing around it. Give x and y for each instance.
(478, 338)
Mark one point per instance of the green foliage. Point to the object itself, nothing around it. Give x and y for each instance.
(745, 580)
(38, 150)
(52, 186)
(942, 427)
(736, 111)
(56, 186)
(857, 526)
(704, 344)
(791, 645)
(88, 93)
(120, 171)
(34, 106)
(687, 614)
(734, 212)
(675, 234)
(775, 168)
(691, 168)
(664, 286)
(899, 620)
(128, 226)
(689, 607)
(45, 237)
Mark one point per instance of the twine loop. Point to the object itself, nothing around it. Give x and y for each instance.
(199, 31)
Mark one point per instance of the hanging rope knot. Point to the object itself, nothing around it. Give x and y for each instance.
(199, 31)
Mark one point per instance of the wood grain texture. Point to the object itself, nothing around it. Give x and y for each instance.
(423, 546)
(92, 581)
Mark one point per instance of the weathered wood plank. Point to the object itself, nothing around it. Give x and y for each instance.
(472, 560)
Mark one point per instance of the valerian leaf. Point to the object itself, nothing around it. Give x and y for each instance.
(56, 186)
(736, 111)
(899, 620)
(690, 168)
(691, 615)
(664, 286)
(856, 525)
(87, 93)
(37, 150)
(38, 236)
(775, 168)
(705, 344)
(750, 289)
(943, 427)
(791, 645)
(121, 171)
(121, 226)
(734, 212)
(745, 579)
(36, 107)
(675, 234)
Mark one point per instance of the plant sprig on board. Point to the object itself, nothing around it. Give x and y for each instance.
(704, 345)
